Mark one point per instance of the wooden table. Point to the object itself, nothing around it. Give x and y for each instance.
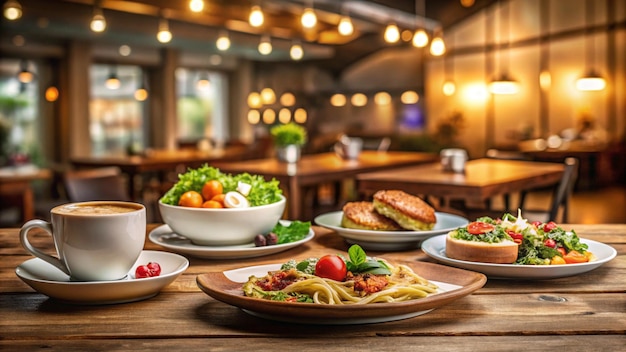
(16, 182)
(159, 161)
(594, 167)
(483, 179)
(315, 169)
(579, 313)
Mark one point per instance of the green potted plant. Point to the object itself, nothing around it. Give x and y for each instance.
(288, 141)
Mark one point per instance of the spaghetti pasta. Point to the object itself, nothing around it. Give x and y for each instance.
(403, 284)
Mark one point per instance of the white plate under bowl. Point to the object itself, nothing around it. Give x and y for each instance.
(389, 240)
(435, 247)
(54, 283)
(164, 236)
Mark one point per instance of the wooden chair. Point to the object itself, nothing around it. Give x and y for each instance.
(560, 197)
(558, 205)
(95, 184)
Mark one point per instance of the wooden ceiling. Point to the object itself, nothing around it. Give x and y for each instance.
(135, 22)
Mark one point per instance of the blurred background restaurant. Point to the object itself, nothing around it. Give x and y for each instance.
(99, 78)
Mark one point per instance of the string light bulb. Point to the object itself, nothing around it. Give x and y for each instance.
(265, 45)
(256, 17)
(223, 41)
(309, 18)
(98, 22)
(164, 35)
(420, 38)
(448, 88)
(196, 5)
(12, 10)
(296, 52)
(437, 46)
(392, 33)
(345, 26)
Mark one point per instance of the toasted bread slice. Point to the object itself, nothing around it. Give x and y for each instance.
(504, 252)
(361, 215)
(409, 211)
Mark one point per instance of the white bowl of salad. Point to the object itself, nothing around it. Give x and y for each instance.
(212, 208)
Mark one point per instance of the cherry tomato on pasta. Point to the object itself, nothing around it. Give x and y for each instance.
(479, 227)
(331, 267)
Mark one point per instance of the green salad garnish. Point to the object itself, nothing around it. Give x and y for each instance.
(262, 192)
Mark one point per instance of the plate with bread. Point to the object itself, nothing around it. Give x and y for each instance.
(393, 220)
(513, 248)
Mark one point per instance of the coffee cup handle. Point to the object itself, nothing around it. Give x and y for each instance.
(36, 252)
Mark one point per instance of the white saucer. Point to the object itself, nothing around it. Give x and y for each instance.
(164, 236)
(53, 283)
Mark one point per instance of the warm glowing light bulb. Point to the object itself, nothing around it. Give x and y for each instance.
(265, 46)
(420, 38)
(254, 100)
(382, 98)
(12, 10)
(196, 5)
(448, 88)
(268, 96)
(338, 100)
(52, 94)
(590, 83)
(392, 33)
(98, 22)
(113, 82)
(300, 115)
(223, 42)
(284, 115)
(25, 76)
(409, 97)
(359, 99)
(254, 117)
(503, 87)
(269, 116)
(164, 35)
(296, 52)
(545, 80)
(437, 47)
(141, 94)
(345, 26)
(288, 99)
(308, 19)
(256, 17)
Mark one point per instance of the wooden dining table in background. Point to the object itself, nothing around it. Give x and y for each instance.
(160, 161)
(586, 312)
(16, 183)
(314, 169)
(482, 179)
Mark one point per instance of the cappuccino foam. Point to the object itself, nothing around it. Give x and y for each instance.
(95, 209)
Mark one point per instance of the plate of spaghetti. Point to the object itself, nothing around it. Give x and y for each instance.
(322, 291)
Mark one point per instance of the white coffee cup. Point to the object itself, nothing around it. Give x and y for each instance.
(349, 147)
(453, 159)
(95, 241)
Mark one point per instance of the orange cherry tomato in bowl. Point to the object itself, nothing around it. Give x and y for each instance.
(212, 204)
(211, 189)
(331, 267)
(191, 199)
(479, 227)
(219, 198)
